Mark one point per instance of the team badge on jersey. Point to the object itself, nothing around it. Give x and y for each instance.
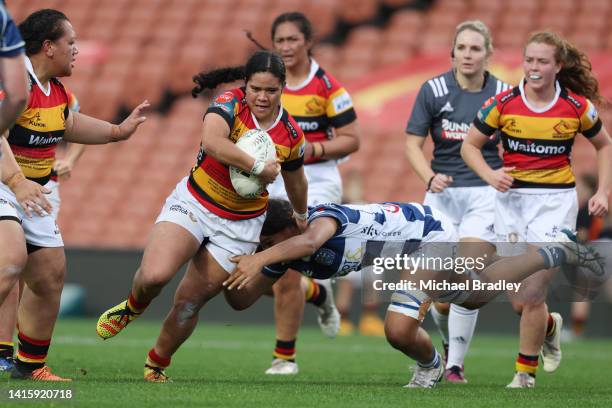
(325, 256)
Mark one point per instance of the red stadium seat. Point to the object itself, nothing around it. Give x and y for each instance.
(409, 20)
(558, 22)
(486, 6)
(587, 41)
(358, 11)
(391, 55)
(365, 37)
(449, 7)
(327, 56)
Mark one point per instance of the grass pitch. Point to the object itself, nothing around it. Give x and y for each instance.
(223, 366)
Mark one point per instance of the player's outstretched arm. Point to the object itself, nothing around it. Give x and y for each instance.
(84, 129)
(248, 266)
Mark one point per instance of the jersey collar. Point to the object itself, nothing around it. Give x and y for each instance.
(545, 108)
(30, 69)
(314, 67)
(278, 118)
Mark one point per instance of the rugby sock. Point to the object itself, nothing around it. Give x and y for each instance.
(136, 307)
(434, 362)
(461, 325)
(154, 360)
(527, 364)
(578, 324)
(31, 354)
(441, 321)
(315, 294)
(553, 256)
(7, 349)
(285, 350)
(551, 325)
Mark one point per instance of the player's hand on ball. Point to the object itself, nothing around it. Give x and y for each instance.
(247, 268)
(131, 123)
(270, 171)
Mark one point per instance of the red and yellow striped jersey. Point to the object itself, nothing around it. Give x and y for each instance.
(318, 105)
(538, 142)
(74, 106)
(210, 181)
(40, 128)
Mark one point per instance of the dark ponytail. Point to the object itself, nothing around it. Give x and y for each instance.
(250, 36)
(260, 61)
(216, 77)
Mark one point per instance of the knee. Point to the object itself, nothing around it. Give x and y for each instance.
(151, 277)
(289, 284)
(443, 308)
(238, 305)
(518, 308)
(12, 264)
(400, 337)
(186, 310)
(536, 307)
(49, 281)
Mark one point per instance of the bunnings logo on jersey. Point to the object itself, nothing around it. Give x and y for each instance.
(453, 130)
(535, 148)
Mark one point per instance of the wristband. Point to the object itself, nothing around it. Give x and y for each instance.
(429, 182)
(314, 151)
(115, 133)
(14, 180)
(258, 167)
(300, 217)
(322, 150)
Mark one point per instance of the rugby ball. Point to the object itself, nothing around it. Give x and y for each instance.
(258, 144)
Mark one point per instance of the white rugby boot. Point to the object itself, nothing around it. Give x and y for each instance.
(282, 367)
(551, 349)
(522, 380)
(329, 316)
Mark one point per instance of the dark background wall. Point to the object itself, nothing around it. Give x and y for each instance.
(106, 277)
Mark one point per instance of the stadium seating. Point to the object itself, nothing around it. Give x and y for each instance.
(137, 49)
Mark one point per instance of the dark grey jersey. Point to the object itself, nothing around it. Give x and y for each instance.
(445, 111)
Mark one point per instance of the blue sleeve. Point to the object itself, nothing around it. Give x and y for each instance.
(334, 211)
(11, 44)
(275, 271)
(422, 112)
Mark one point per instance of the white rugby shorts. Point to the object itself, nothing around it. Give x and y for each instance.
(54, 197)
(224, 238)
(40, 231)
(532, 216)
(470, 209)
